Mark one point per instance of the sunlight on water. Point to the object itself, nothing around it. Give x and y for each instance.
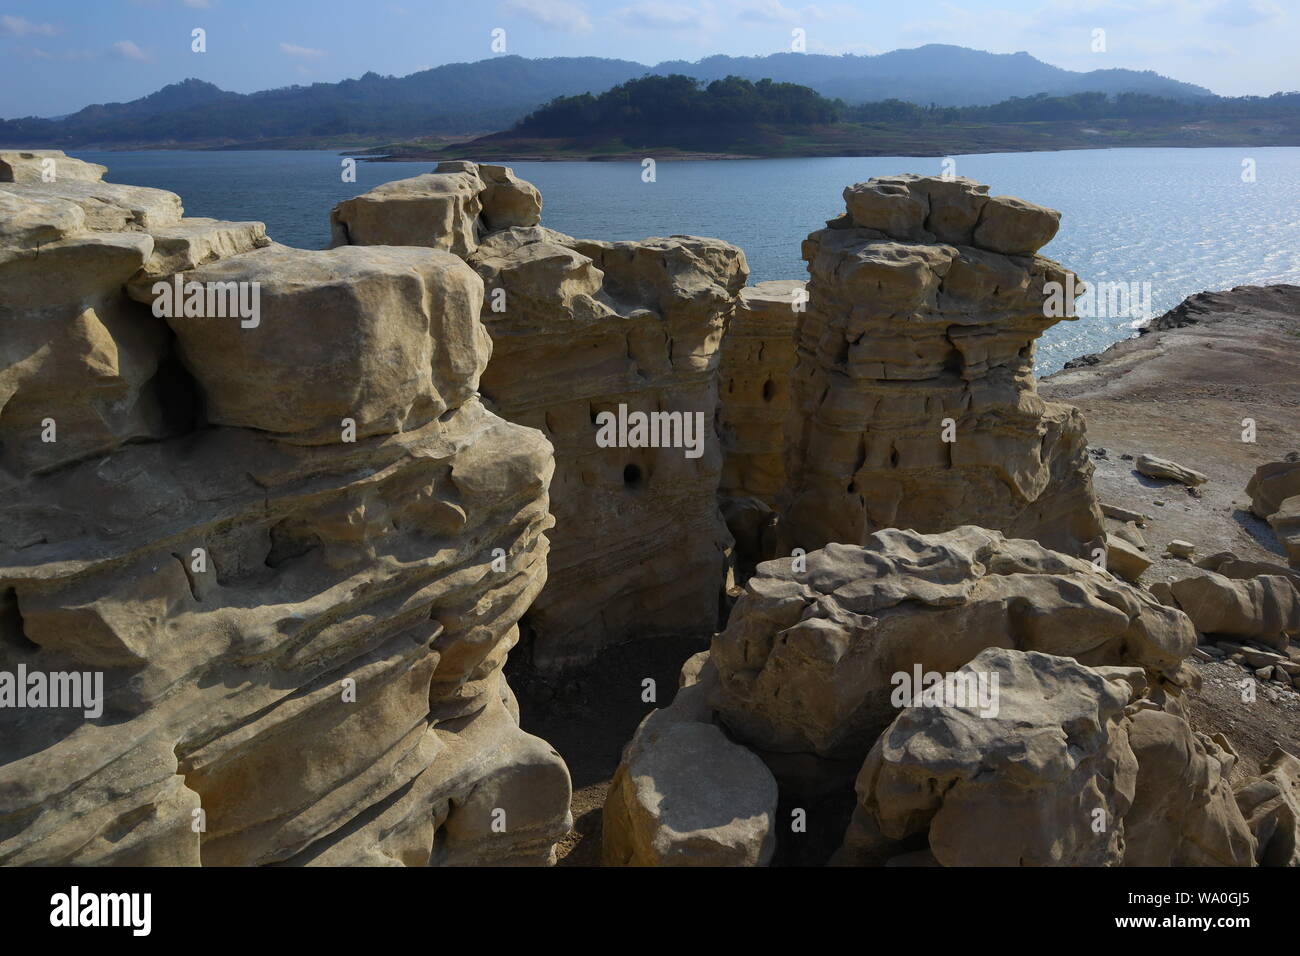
(1180, 219)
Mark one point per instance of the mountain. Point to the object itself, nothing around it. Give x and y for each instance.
(461, 98)
(936, 73)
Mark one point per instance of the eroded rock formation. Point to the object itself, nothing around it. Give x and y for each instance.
(291, 541)
(1074, 769)
(806, 660)
(913, 395)
(729, 818)
(999, 704)
(1265, 608)
(580, 329)
(757, 357)
(1274, 492)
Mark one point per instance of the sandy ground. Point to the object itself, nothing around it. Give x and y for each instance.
(1182, 393)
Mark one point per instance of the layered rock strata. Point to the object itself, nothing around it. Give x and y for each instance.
(999, 704)
(807, 661)
(289, 542)
(757, 357)
(586, 333)
(913, 395)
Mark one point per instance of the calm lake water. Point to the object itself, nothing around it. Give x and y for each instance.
(1182, 220)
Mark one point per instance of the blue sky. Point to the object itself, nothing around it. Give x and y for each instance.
(64, 54)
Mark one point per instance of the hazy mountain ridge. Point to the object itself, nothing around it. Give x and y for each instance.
(492, 94)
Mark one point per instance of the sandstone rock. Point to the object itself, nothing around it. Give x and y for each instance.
(691, 798)
(1124, 514)
(507, 200)
(913, 401)
(108, 207)
(302, 641)
(27, 223)
(1257, 658)
(385, 337)
(1285, 523)
(1265, 609)
(1181, 549)
(1012, 226)
(685, 795)
(581, 328)
(1020, 788)
(1271, 805)
(1132, 535)
(891, 206)
(1183, 811)
(1272, 484)
(639, 548)
(808, 659)
(83, 370)
(449, 209)
(1064, 774)
(1125, 559)
(1230, 566)
(439, 210)
(756, 359)
(191, 243)
(46, 165)
(1154, 467)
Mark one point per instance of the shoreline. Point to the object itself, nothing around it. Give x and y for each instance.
(532, 151)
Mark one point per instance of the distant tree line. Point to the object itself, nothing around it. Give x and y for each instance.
(1078, 106)
(677, 102)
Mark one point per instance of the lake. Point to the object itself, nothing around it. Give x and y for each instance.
(1182, 220)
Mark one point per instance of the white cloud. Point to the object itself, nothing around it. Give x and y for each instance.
(775, 12)
(553, 14)
(660, 15)
(129, 51)
(305, 52)
(768, 11)
(18, 27)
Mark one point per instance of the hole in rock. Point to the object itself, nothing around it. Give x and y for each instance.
(632, 476)
(12, 633)
(178, 396)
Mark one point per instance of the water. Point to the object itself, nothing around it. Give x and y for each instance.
(1181, 219)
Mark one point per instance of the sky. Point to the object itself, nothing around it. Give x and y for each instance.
(61, 55)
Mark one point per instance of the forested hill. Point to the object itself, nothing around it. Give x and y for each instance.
(492, 94)
(738, 117)
(651, 107)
